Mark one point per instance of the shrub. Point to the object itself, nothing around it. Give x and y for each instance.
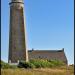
(35, 63)
(56, 62)
(23, 64)
(40, 63)
(6, 65)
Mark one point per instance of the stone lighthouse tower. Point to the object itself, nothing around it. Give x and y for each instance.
(17, 35)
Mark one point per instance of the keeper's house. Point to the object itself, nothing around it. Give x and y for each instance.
(48, 54)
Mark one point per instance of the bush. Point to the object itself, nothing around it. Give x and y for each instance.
(7, 66)
(4, 65)
(57, 62)
(40, 63)
(35, 63)
(23, 64)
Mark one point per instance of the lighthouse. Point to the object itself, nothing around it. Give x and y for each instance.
(17, 33)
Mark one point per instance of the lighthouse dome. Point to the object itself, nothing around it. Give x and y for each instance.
(16, 0)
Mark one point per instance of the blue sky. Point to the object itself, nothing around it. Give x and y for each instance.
(49, 26)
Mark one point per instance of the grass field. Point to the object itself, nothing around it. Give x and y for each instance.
(42, 67)
(46, 71)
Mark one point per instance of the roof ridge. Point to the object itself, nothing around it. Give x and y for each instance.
(47, 50)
